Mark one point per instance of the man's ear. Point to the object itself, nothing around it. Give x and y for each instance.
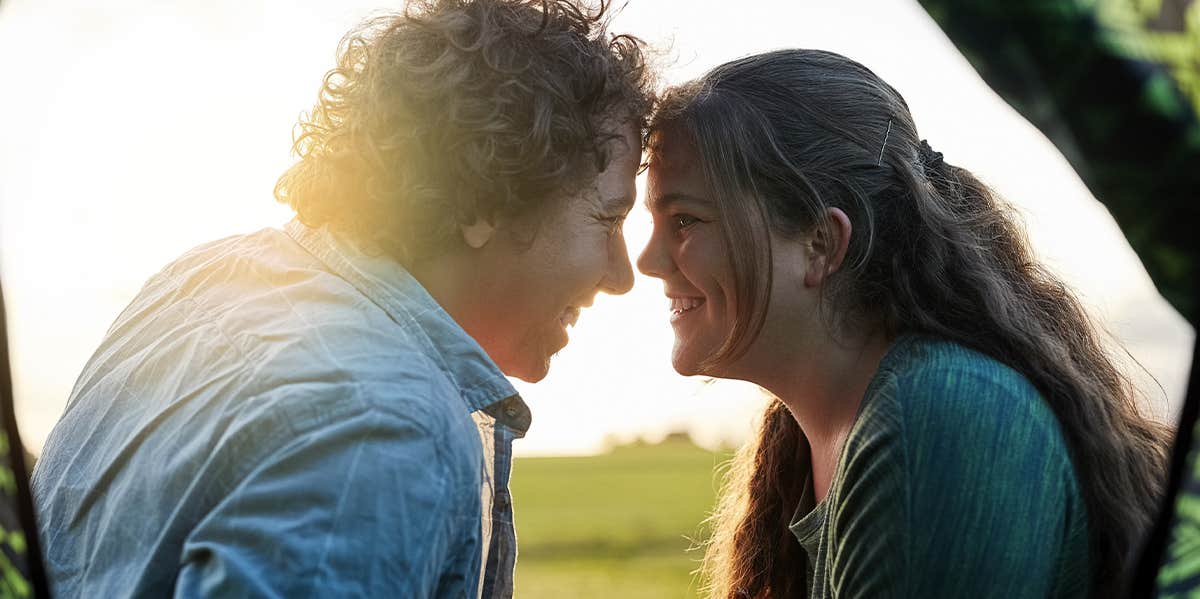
(827, 248)
(478, 234)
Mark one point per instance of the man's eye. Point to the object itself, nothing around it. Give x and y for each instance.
(614, 223)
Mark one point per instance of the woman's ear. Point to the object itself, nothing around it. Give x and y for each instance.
(827, 247)
(478, 234)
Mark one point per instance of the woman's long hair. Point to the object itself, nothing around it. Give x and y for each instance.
(783, 136)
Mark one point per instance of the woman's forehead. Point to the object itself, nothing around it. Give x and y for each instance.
(676, 182)
(674, 165)
(671, 147)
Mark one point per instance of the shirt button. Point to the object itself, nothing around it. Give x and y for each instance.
(502, 500)
(510, 411)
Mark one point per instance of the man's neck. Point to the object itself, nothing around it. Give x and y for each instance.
(449, 279)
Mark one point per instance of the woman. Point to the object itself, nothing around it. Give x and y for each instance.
(948, 422)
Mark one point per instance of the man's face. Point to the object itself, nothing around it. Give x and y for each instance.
(531, 291)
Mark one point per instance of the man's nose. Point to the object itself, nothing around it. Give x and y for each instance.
(619, 278)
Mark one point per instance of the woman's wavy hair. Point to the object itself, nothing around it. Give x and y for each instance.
(456, 110)
(781, 137)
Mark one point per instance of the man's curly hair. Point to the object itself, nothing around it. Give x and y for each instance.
(455, 110)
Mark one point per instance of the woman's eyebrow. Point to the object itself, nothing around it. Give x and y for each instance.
(666, 200)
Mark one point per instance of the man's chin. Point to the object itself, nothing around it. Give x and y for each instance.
(532, 372)
(531, 363)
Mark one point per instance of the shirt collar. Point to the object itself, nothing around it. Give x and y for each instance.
(386, 283)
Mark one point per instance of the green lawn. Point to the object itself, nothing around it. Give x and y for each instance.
(615, 525)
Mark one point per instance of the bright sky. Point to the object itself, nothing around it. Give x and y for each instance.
(134, 130)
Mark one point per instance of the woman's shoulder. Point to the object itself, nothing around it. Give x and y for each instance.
(946, 414)
(928, 360)
(969, 461)
(937, 398)
(927, 377)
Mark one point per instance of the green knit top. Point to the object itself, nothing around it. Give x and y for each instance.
(955, 481)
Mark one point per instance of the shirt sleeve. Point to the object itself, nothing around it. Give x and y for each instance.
(356, 508)
(965, 494)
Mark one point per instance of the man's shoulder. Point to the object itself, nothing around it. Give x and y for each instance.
(282, 312)
(252, 333)
(412, 405)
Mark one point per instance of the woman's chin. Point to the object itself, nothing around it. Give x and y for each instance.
(683, 362)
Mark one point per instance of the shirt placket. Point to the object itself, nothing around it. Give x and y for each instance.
(512, 420)
(487, 493)
(502, 553)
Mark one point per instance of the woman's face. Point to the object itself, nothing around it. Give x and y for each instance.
(687, 251)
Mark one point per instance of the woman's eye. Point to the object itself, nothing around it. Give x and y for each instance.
(683, 221)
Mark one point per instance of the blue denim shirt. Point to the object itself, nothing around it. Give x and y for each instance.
(282, 414)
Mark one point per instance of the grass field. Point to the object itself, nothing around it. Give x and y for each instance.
(615, 525)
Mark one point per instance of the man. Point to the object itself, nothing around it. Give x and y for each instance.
(323, 411)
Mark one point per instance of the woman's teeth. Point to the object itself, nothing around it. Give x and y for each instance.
(679, 305)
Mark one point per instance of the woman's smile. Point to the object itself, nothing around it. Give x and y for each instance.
(681, 307)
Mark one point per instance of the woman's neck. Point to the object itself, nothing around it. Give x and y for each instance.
(823, 390)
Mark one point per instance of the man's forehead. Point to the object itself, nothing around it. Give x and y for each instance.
(606, 199)
(615, 190)
(623, 143)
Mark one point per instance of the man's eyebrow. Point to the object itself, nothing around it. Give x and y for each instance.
(620, 204)
(664, 201)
